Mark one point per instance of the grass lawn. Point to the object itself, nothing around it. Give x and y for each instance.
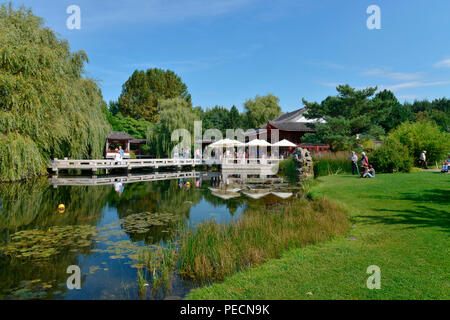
(401, 223)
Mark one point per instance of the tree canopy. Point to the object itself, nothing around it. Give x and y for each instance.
(175, 114)
(48, 108)
(142, 92)
(354, 112)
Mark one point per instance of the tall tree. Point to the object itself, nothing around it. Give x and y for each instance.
(235, 119)
(395, 113)
(144, 89)
(48, 107)
(175, 114)
(262, 109)
(216, 118)
(350, 113)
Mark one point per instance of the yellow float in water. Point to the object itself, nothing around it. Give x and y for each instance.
(61, 208)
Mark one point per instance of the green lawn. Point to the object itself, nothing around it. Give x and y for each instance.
(400, 223)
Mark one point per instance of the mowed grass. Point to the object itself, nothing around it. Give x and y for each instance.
(400, 223)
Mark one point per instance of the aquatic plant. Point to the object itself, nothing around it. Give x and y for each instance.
(40, 244)
(213, 251)
(143, 221)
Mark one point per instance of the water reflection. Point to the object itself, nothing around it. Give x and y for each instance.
(127, 212)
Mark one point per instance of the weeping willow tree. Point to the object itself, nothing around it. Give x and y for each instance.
(48, 108)
(174, 114)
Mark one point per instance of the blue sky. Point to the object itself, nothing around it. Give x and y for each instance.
(227, 51)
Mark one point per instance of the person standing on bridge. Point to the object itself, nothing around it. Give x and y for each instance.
(117, 156)
(121, 153)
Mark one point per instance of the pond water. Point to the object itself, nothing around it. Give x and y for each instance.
(102, 230)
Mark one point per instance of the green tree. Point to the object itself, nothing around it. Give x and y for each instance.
(144, 89)
(392, 157)
(350, 114)
(137, 128)
(48, 107)
(235, 119)
(423, 135)
(216, 118)
(262, 109)
(395, 112)
(175, 114)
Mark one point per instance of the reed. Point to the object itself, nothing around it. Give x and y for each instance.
(331, 163)
(213, 251)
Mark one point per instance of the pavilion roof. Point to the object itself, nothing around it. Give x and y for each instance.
(119, 135)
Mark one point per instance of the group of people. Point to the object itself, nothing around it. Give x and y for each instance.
(119, 154)
(367, 169)
(183, 153)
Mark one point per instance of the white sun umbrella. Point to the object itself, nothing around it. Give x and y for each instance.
(226, 195)
(258, 143)
(284, 143)
(224, 143)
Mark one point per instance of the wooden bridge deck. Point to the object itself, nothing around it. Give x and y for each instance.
(129, 164)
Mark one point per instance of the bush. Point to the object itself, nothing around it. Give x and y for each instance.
(422, 135)
(391, 157)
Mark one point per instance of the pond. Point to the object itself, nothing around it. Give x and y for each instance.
(102, 229)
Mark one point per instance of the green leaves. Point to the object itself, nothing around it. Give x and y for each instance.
(262, 109)
(47, 107)
(142, 92)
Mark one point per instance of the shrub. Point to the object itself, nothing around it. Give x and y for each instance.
(423, 135)
(391, 157)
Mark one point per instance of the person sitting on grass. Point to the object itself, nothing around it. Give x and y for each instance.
(369, 172)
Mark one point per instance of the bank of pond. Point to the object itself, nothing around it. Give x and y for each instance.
(148, 240)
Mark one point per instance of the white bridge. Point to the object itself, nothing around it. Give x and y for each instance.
(268, 166)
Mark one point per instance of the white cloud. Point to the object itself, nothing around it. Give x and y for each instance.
(385, 73)
(414, 84)
(442, 64)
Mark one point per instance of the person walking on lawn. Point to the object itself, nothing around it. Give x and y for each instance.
(423, 159)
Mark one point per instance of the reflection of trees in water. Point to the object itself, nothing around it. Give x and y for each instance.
(160, 197)
(231, 204)
(33, 205)
(14, 272)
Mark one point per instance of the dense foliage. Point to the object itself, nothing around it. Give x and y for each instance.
(142, 92)
(422, 135)
(392, 157)
(47, 107)
(221, 118)
(262, 109)
(137, 128)
(174, 114)
(351, 113)
(402, 148)
(354, 116)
